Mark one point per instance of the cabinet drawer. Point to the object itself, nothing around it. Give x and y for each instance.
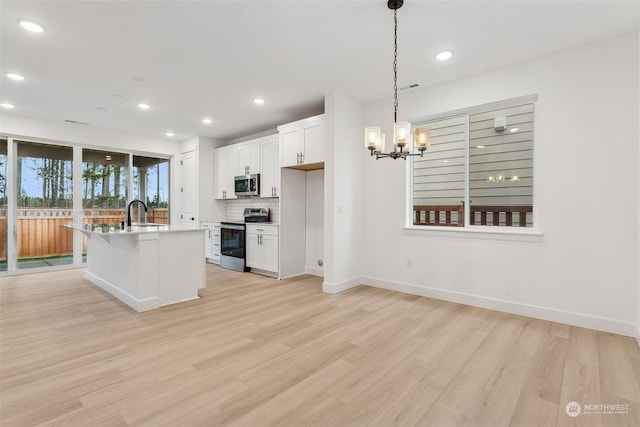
(268, 230)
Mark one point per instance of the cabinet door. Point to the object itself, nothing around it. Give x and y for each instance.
(215, 242)
(244, 160)
(220, 165)
(313, 141)
(253, 254)
(249, 158)
(231, 159)
(289, 147)
(269, 253)
(270, 168)
(207, 239)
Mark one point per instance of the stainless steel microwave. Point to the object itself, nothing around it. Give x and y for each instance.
(247, 185)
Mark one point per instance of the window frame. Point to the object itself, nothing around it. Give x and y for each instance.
(533, 233)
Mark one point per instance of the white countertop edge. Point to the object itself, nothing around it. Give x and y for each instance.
(140, 230)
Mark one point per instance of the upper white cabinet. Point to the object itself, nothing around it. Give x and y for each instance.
(302, 143)
(270, 168)
(226, 165)
(249, 157)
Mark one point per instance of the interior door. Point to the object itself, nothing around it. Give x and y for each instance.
(188, 189)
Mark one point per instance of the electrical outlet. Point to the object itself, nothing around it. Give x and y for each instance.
(409, 262)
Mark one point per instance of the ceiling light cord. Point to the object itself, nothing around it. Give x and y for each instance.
(395, 65)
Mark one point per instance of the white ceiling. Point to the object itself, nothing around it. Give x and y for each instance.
(191, 59)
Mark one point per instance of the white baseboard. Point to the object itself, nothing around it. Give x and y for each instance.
(138, 305)
(583, 320)
(638, 332)
(334, 288)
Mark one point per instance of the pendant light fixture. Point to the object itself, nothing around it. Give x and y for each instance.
(374, 140)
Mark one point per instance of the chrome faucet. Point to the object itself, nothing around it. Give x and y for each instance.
(129, 210)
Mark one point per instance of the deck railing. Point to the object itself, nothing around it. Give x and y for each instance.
(453, 215)
(40, 233)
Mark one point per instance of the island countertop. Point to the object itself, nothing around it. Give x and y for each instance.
(136, 228)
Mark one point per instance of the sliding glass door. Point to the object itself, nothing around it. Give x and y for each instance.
(104, 188)
(44, 202)
(44, 186)
(151, 185)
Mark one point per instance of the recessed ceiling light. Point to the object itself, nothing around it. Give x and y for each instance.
(480, 146)
(444, 55)
(34, 27)
(207, 121)
(514, 130)
(258, 101)
(445, 161)
(144, 106)
(169, 134)
(15, 76)
(7, 106)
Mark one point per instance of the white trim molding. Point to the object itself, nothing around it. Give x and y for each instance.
(334, 288)
(138, 305)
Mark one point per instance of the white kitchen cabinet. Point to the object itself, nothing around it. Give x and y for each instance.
(270, 167)
(215, 243)
(302, 143)
(262, 248)
(248, 157)
(226, 165)
(212, 241)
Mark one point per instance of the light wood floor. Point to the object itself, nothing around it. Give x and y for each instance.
(257, 352)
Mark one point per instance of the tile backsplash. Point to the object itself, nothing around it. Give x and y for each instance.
(235, 208)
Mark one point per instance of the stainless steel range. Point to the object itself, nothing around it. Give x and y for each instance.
(233, 239)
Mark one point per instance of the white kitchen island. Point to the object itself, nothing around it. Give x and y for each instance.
(146, 266)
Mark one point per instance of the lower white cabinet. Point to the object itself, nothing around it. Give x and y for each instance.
(212, 241)
(262, 247)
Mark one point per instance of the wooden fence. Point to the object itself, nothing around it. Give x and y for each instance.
(40, 233)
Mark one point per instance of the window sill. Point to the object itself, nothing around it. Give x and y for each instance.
(477, 232)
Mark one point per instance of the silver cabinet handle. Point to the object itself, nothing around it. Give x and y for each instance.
(301, 158)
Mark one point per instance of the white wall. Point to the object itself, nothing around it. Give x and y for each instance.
(584, 270)
(638, 241)
(63, 132)
(343, 211)
(314, 212)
